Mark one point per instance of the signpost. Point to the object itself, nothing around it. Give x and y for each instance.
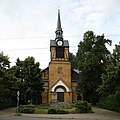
(18, 94)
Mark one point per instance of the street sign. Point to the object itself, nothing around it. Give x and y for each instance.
(18, 93)
(18, 98)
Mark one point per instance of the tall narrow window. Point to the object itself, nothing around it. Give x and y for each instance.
(60, 70)
(59, 52)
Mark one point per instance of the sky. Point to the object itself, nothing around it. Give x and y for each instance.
(27, 26)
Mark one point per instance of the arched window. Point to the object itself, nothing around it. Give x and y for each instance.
(59, 90)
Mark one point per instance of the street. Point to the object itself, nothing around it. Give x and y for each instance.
(99, 114)
(3, 117)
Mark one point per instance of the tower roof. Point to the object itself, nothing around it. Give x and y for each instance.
(59, 31)
(59, 35)
(59, 22)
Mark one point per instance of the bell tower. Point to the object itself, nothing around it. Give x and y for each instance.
(59, 47)
(59, 67)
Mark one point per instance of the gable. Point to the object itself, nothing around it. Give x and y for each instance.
(60, 83)
(45, 74)
(74, 75)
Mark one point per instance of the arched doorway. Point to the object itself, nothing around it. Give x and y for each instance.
(60, 93)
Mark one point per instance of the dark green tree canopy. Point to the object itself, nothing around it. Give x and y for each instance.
(111, 76)
(30, 83)
(4, 61)
(92, 57)
(7, 80)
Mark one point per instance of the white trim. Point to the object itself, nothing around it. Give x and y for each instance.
(60, 83)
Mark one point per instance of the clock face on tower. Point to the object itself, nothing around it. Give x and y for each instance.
(59, 43)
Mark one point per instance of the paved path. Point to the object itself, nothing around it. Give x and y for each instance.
(99, 114)
(9, 111)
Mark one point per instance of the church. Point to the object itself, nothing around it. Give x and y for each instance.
(60, 80)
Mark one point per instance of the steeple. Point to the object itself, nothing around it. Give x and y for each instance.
(59, 31)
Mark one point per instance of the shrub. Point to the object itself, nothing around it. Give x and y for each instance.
(57, 111)
(26, 109)
(111, 102)
(70, 111)
(51, 111)
(61, 111)
(41, 106)
(83, 107)
(6, 103)
(41, 111)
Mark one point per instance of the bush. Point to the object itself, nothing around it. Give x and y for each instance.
(41, 111)
(41, 106)
(6, 103)
(83, 107)
(26, 109)
(111, 102)
(51, 111)
(70, 111)
(60, 111)
(57, 111)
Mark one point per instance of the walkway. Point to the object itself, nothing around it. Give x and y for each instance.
(99, 114)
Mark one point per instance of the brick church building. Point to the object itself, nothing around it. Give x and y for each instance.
(59, 79)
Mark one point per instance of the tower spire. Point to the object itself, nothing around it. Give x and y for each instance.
(59, 29)
(58, 22)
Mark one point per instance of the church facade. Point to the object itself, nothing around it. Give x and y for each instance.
(60, 80)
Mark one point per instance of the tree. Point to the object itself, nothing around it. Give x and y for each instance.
(111, 77)
(110, 88)
(30, 83)
(92, 57)
(73, 60)
(7, 80)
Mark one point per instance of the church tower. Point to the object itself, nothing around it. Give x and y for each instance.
(60, 80)
(59, 67)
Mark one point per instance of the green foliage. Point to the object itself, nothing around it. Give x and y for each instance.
(71, 110)
(29, 80)
(61, 111)
(7, 80)
(83, 107)
(37, 109)
(111, 76)
(92, 57)
(111, 102)
(26, 109)
(51, 111)
(57, 111)
(41, 111)
(4, 61)
(79, 107)
(110, 87)
(41, 106)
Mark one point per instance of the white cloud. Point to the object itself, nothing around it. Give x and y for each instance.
(29, 19)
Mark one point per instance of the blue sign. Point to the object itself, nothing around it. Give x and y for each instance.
(18, 98)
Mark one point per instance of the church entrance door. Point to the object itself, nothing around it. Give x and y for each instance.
(60, 96)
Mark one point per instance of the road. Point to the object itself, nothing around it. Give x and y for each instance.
(99, 114)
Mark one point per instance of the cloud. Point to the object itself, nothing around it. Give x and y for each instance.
(96, 14)
(32, 24)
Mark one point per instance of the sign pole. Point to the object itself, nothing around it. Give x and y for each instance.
(18, 93)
